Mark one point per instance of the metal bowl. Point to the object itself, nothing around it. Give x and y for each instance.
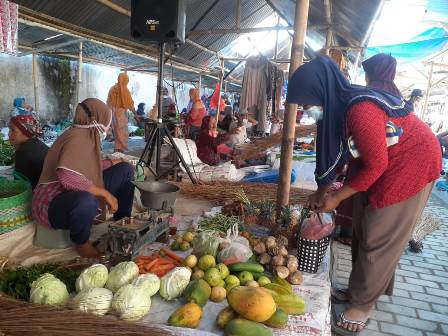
(157, 195)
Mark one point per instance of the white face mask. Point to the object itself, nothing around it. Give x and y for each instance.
(315, 112)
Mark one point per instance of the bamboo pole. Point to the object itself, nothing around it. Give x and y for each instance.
(428, 90)
(79, 80)
(329, 37)
(289, 123)
(35, 91)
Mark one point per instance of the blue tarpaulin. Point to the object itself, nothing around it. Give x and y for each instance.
(418, 48)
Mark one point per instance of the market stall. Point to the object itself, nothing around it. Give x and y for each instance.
(193, 220)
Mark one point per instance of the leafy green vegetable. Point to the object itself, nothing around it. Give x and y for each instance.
(6, 152)
(17, 282)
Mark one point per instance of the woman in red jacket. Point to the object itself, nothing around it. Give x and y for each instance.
(394, 159)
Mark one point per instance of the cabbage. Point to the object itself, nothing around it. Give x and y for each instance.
(131, 303)
(48, 289)
(93, 300)
(93, 277)
(173, 283)
(122, 274)
(149, 282)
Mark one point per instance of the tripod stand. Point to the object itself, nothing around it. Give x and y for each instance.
(159, 130)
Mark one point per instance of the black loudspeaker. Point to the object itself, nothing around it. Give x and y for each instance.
(158, 20)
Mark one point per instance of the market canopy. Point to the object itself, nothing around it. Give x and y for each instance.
(211, 28)
(420, 47)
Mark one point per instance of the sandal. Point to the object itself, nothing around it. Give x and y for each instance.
(341, 318)
(337, 293)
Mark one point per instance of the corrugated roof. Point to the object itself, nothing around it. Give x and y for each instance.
(351, 19)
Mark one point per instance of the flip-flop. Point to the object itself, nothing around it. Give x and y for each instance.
(334, 296)
(338, 315)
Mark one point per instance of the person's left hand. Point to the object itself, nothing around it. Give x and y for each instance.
(330, 202)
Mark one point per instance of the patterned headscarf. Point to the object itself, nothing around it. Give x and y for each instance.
(28, 125)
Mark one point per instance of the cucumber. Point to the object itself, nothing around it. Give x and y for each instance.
(246, 266)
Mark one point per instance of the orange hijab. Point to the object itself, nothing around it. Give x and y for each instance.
(119, 95)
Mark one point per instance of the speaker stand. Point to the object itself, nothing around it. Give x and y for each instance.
(158, 131)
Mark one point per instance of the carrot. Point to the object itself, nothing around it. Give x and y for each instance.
(171, 254)
(150, 264)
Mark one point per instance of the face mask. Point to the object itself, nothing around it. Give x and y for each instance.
(315, 112)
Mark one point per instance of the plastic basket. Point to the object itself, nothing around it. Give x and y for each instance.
(310, 253)
(15, 204)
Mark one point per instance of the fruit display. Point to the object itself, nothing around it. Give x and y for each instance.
(273, 253)
(183, 242)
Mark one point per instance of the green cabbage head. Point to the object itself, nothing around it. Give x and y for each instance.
(48, 290)
(174, 282)
(149, 282)
(93, 277)
(96, 301)
(122, 274)
(131, 303)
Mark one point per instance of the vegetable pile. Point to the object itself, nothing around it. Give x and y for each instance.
(16, 282)
(157, 264)
(220, 223)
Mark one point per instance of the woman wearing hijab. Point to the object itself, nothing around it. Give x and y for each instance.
(120, 101)
(29, 157)
(391, 180)
(195, 115)
(20, 108)
(380, 73)
(75, 179)
(210, 144)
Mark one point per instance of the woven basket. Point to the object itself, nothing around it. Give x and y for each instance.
(15, 204)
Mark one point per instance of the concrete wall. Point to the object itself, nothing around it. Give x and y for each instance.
(56, 80)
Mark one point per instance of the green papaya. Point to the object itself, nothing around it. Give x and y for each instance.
(278, 320)
(225, 316)
(197, 291)
(242, 327)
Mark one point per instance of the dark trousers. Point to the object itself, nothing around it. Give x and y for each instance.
(76, 210)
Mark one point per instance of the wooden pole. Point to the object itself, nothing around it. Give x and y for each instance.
(35, 92)
(289, 123)
(200, 83)
(329, 38)
(428, 91)
(79, 80)
(221, 76)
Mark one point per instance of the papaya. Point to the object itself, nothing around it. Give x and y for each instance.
(225, 316)
(292, 304)
(283, 283)
(252, 303)
(242, 327)
(187, 316)
(277, 288)
(197, 291)
(278, 320)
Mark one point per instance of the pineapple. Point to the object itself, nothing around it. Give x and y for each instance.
(267, 213)
(287, 226)
(251, 213)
